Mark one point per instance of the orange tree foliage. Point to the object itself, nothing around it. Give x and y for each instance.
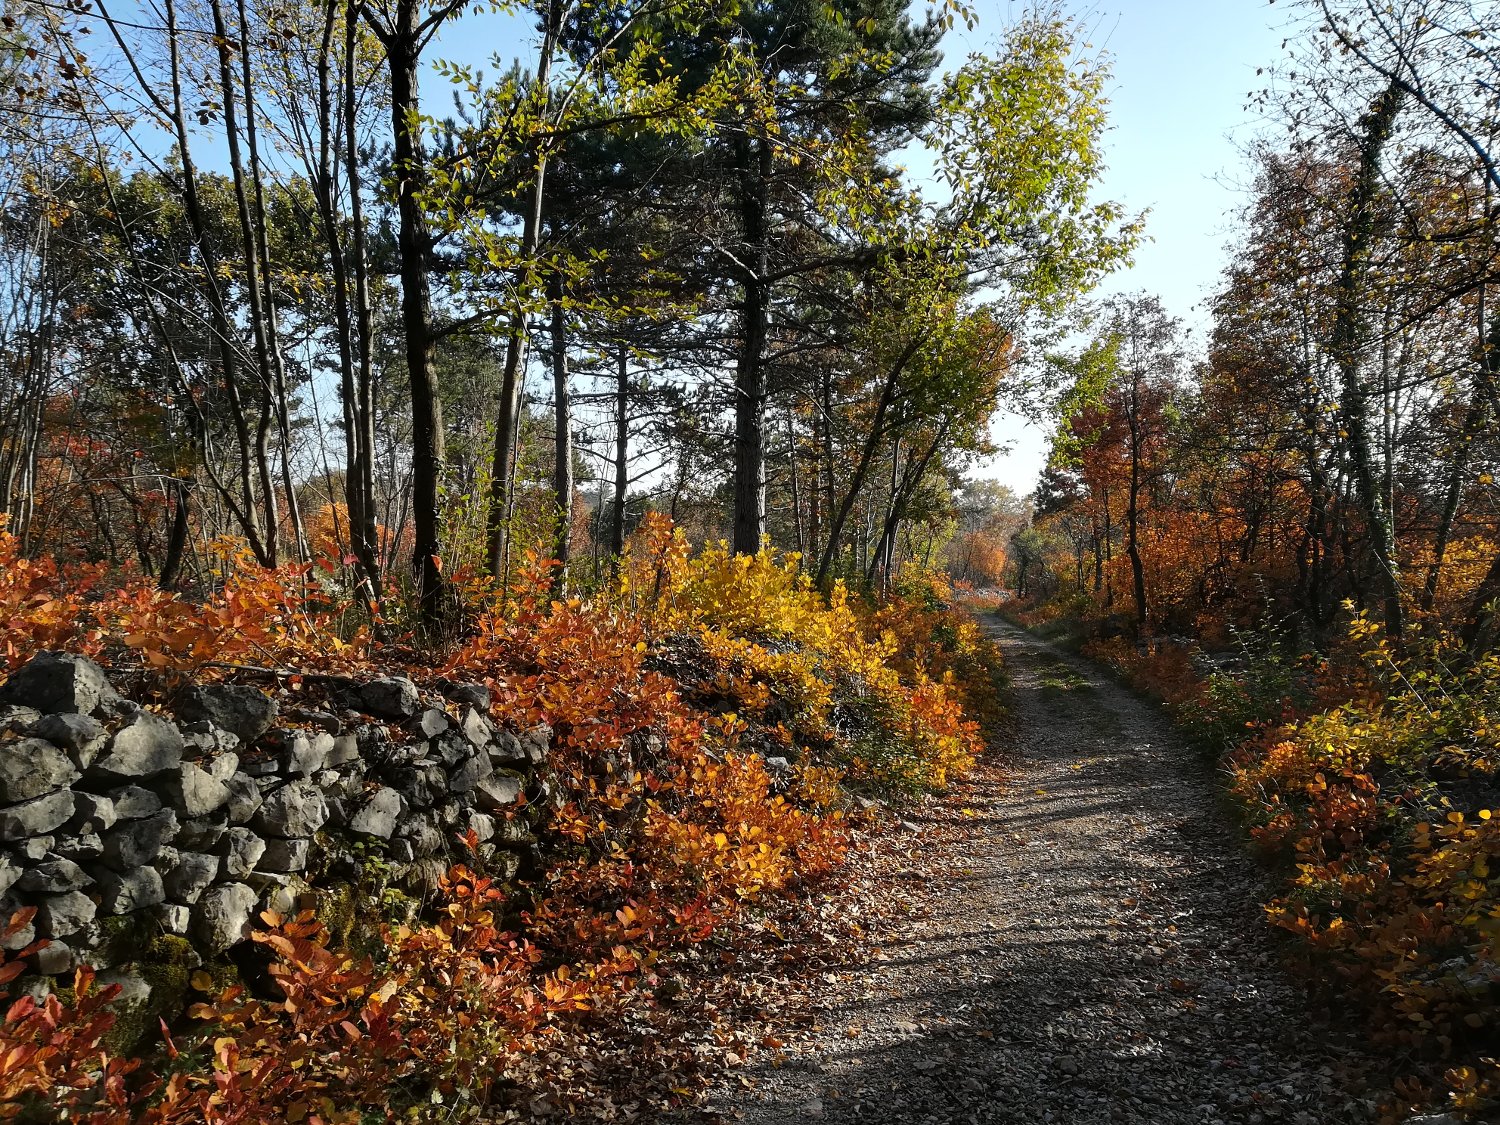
(1371, 777)
(667, 822)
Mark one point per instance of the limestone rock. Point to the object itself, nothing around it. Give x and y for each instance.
(125, 892)
(475, 696)
(244, 711)
(56, 682)
(430, 723)
(345, 749)
(54, 877)
(139, 842)
(134, 803)
(18, 720)
(34, 849)
(222, 916)
(194, 791)
(469, 773)
(82, 736)
(302, 756)
(506, 749)
(242, 850)
(87, 847)
(172, 918)
(379, 815)
(284, 856)
(478, 729)
(10, 873)
(54, 959)
(189, 875)
(92, 812)
(62, 915)
(204, 833)
(37, 816)
(391, 697)
(537, 742)
(244, 798)
(297, 809)
(20, 939)
(499, 791)
(31, 767)
(146, 746)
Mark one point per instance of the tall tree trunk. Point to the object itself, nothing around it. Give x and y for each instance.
(413, 242)
(791, 452)
(171, 564)
(622, 451)
(1476, 421)
(512, 376)
(333, 152)
(1347, 341)
(253, 290)
(753, 161)
(262, 541)
(562, 469)
(364, 530)
(866, 458)
(262, 250)
(1133, 509)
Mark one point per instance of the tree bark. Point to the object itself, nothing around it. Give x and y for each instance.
(1347, 339)
(562, 469)
(622, 452)
(753, 162)
(413, 242)
(512, 377)
(866, 457)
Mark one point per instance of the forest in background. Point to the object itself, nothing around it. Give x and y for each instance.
(279, 273)
(1294, 538)
(631, 392)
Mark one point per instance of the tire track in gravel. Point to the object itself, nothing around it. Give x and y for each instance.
(1078, 940)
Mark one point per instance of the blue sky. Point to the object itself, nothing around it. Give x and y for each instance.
(1182, 73)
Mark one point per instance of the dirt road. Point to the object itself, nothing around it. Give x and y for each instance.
(1079, 940)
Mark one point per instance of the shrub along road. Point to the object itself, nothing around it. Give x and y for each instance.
(1072, 934)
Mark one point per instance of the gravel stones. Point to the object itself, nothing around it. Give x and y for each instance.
(993, 977)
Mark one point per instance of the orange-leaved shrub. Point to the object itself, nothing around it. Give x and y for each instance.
(704, 719)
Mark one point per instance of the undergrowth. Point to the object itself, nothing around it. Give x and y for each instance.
(1369, 776)
(710, 715)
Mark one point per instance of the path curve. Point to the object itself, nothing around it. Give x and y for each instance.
(1081, 942)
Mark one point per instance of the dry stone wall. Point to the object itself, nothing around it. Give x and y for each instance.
(185, 824)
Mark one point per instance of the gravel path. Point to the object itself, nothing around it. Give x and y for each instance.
(1074, 937)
